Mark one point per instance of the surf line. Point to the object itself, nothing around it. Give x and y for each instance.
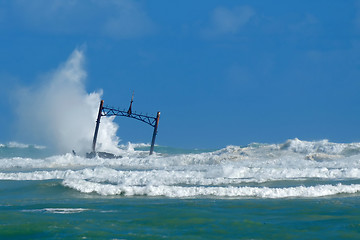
(110, 111)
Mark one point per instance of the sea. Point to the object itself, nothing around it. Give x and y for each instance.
(291, 190)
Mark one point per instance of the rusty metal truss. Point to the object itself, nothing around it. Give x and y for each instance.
(108, 111)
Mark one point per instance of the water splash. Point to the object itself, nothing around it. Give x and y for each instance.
(62, 114)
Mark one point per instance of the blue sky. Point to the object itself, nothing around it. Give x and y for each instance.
(221, 72)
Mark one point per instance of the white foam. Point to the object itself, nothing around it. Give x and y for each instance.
(322, 146)
(207, 168)
(181, 192)
(58, 210)
(232, 171)
(17, 145)
(186, 177)
(21, 145)
(131, 146)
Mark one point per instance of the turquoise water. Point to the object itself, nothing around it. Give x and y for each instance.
(48, 210)
(193, 195)
(45, 209)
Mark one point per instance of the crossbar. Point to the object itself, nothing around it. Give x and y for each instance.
(108, 111)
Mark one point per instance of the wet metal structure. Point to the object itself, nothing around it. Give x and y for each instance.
(107, 111)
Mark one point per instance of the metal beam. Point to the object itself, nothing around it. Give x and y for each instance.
(108, 111)
(97, 125)
(155, 133)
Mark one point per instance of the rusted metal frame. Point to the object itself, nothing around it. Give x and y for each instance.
(97, 125)
(106, 111)
(155, 133)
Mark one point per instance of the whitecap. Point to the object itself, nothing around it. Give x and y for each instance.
(201, 191)
(58, 210)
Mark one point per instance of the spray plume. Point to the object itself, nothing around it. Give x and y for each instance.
(60, 112)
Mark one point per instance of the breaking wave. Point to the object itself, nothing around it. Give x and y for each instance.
(199, 191)
(292, 169)
(21, 145)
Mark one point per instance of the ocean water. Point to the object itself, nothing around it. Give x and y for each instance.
(293, 190)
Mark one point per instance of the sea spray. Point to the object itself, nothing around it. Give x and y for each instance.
(60, 113)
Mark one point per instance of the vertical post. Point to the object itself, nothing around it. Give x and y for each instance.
(155, 132)
(132, 99)
(97, 125)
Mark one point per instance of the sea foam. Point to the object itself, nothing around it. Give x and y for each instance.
(256, 170)
(199, 191)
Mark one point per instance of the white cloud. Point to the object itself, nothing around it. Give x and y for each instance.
(229, 21)
(130, 21)
(114, 18)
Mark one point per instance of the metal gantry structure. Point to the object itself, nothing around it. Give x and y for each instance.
(108, 111)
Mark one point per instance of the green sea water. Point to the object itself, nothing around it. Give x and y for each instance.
(47, 210)
(295, 190)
